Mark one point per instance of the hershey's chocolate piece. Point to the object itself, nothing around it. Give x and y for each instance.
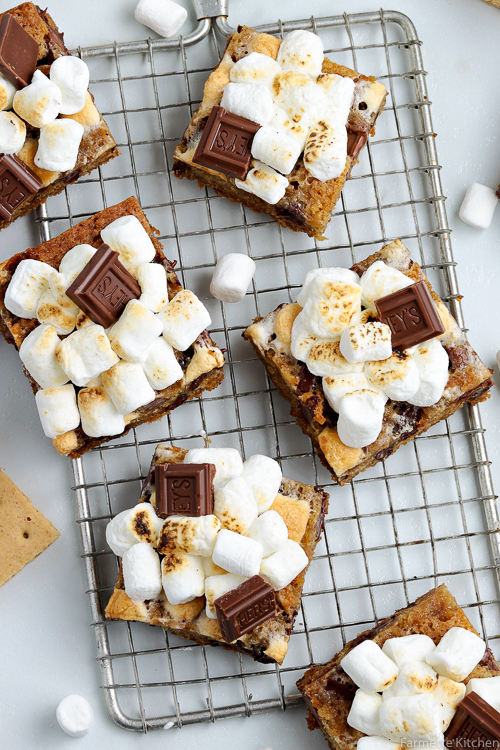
(476, 725)
(226, 142)
(245, 607)
(184, 489)
(17, 184)
(18, 52)
(104, 287)
(411, 315)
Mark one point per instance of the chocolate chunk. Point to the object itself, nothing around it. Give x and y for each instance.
(356, 139)
(17, 184)
(184, 489)
(245, 607)
(226, 142)
(475, 725)
(104, 287)
(341, 688)
(307, 381)
(18, 52)
(411, 315)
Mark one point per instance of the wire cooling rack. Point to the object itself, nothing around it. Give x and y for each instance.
(425, 516)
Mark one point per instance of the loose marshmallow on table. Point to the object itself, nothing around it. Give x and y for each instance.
(302, 340)
(263, 475)
(280, 568)
(99, 415)
(134, 332)
(163, 16)
(232, 276)
(131, 526)
(38, 355)
(432, 363)
(152, 279)
(325, 152)
(264, 182)
(183, 578)
(58, 410)
(270, 531)
(333, 274)
(360, 418)
(141, 572)
(183, 319)
(12, 133)
(235, 505)
(127, 237)
(227, 462)
(193, 535)
(50, 312)
(367, 341)
(478, 206)
(414, 677)
(377, 743)
(71, 75)
(161, 366)
(237, 554)
(379, 281)
(364, 714)
(331, 306)
(255, 68)
(302, 51)
(326, 360)
(85, 353)
(127, 386)
(249, 100)
(7, 93)
(30, 280)
(412, 717)
(216, 586)
(369, 668)
(299, 96)
(449, 694)
(75, 716)
(457, 653)
(488, 688)
(40, 102)
(58, 145)
(337, 387)
(397, 376)
(339, 91)
(408, 648)
(276, 149)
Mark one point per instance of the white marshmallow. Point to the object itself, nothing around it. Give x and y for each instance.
(270, 531)
(152, 279)
(367, 341)
(237, 554)
(325, 152)
(414, 677)
(163, 16)
(280, 568)
(50, 312)
(379, 281)
(127, 237)
(397, 376)
(337, 387)
(161, 366)
(7, 93)
(303, 51)
(255, 68)
(39, 103)
(183, 578)
(193, 535)
(360, 418)
(412, 717)
(478, 206)
(12, 133)
(131, 526)
(365, 713)
(369, 668)
(486, 687)
(235, 505)
(71, 75)
(264, 182)
(58, 145)
(457, 653)
(325, 360)
(227, 462)
(29, 282)
(127, 386)
(75, 716)
(98, 413)
(216, 586)
(73, 262)
(57, 410)
(377, 743)
(134, 332)
(263, 475)
(432, 363)
(299, 96)
(37, 353)
(302, 339)
(141, 572)
(408, 648)
(333, 274)
(276, 149)
(282, 121)
(331, 306)
(85, 353)
(449, 694)
(249, 100)
(183, 319)
(232, 276)
(339, 91)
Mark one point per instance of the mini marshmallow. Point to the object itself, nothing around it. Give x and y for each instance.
(249, 100)
(377, 743)
(75, 716)
(49, 311)
(325, 360)
(183, 319)
(194, 535)
(379, 281)
(367, 341)
(397, 376)
(255, 68)
(127, 237)
(232, 276)
(38, 355)
(339, 91)
(302, 339)
(360, 418)
(331, 306)
(299, 96)
(141, 572)
(478, 206)
(325, 152)
(57, 410)
(98, 413)
(457, 653)
(264, 182)
(364, 714)
(408, 648)
(40, 102)
(432, 363)
(127, 386)
(163, 16)
(161, 366)
(85, 353)
(449, 694)
(369, 668)
(414, 677)
(263, 475)
(12, 133)
(334, 274)
(237, 554)
(131, 526)
(270, 531)
(71, 75)
(7, 93)
(134, 332)
(30, 280)
(412, 717)
(216, 586)
(276, 149)
(152, 279)
(183, 578)
(302, 51)
(280, 568)
(486, 687)
(336, 388)
(227, 462)
(58, 145)
(235, 505)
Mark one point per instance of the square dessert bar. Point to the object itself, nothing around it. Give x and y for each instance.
(468, 378)
(197, 364)
(307, 202)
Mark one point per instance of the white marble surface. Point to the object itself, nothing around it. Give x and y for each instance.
(48, 648)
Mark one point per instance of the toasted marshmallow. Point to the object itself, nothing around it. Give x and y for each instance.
(360, 418)
(233, 275)
(414, 677)
(339, 91)
(408, 648)
(98, 413)
(249, 100)
(211, 569)
(336, 388)
(366, 341)
(131, 526)
(325, 152)
(29, 282)
(183, 319)
(127, 237)
(183, 578)
(432, 363)
(449, 694)
(263, 475)
(227, 462)
(270, 531)
(134, 332)
(457, 653)
(58, 145)
(333, 274)
(412, 717)
(161, 366)
(127, 386)
(377, 743)
(12, 133)
(282, 121)
(331, 306)
(38, 355)
(365, 712)
(264, 182)
(235, 505)
(486, 687)
(255, 68)
(141, 572)
(302, 339)
(369, 668)
(280, 568)
(302, 51)
(152, 279)
(237, 554)
(7, 93)
(380, 280)
(195, 535)
(49, 311)
(163, 16)
(326, 360)
(276, 149)
(397, 376)
(85, 353)
(40, 102)
(58, 410)
(71, 75)
(216, 586)
(299, 96)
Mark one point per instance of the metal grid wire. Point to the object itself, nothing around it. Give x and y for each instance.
(425, 516)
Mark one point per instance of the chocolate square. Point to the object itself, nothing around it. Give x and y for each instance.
(476, 725)
(184, 489)
(243, 608)
(103, 287)
(17, 184)
(18, 52)
(226, 143)
(411, 315)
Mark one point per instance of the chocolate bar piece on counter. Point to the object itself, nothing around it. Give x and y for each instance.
(17, 183)
(411, 315)
(18, 52)
(226, 143)
(245, 607)
(476, 725)
(184, 489)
